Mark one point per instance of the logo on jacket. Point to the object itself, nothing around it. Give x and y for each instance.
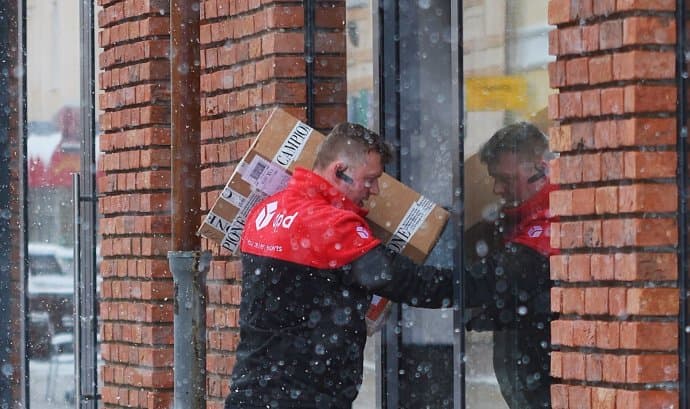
(535, 231)
(362, 232)
(267, 213)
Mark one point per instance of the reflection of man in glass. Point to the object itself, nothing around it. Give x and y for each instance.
(512, 276)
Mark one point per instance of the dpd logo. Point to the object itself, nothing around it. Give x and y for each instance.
(266, 214)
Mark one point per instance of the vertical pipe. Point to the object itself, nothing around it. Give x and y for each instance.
(309, 55)
(189, 269)
(681, 146)
(458, 216)
(187, 263)
(185, 124)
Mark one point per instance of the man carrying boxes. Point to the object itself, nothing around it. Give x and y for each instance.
(311, 263)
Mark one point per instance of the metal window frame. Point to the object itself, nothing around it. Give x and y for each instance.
(86, 319)
(24, 180)
(86, 371)
(387, 27)
(12, 61)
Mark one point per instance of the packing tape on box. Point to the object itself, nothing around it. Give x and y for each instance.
(293, 145)
(231, 196)
(408, 226)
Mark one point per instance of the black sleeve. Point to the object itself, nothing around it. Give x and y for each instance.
(399, 279)
(482, 303)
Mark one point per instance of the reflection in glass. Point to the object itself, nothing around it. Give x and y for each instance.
(505, 46)
(54, 153)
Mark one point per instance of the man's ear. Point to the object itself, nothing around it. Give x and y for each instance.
(335, 167)
(331, 171)
(340, 173)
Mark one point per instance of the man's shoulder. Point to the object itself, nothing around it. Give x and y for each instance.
(306, 230)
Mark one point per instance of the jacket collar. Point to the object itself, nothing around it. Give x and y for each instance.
(316, 186)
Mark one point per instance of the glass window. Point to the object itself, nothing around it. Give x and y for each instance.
(505, 48)
(55, 58)
(502, 63)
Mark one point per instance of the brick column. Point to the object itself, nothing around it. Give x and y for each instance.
(136, 309)
(253, 60)
(617, 338)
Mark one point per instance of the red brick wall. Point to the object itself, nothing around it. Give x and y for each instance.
(137, 290)
(616, 288)
(253, 60)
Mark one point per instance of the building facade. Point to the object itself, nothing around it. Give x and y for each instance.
(599, 77)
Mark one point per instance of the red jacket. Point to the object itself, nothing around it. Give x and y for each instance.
(309, 223)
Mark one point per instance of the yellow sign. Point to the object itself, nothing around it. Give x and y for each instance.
(496, 93)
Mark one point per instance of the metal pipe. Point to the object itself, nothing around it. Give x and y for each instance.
(309, 55)
(185, 124)
(681, 147)
(189, 269)
(187, 263)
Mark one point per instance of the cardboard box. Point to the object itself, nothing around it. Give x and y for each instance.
(283, 143)
(400, 217)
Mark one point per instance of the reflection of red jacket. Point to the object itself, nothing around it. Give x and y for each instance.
(529, 223)
(508, 292)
